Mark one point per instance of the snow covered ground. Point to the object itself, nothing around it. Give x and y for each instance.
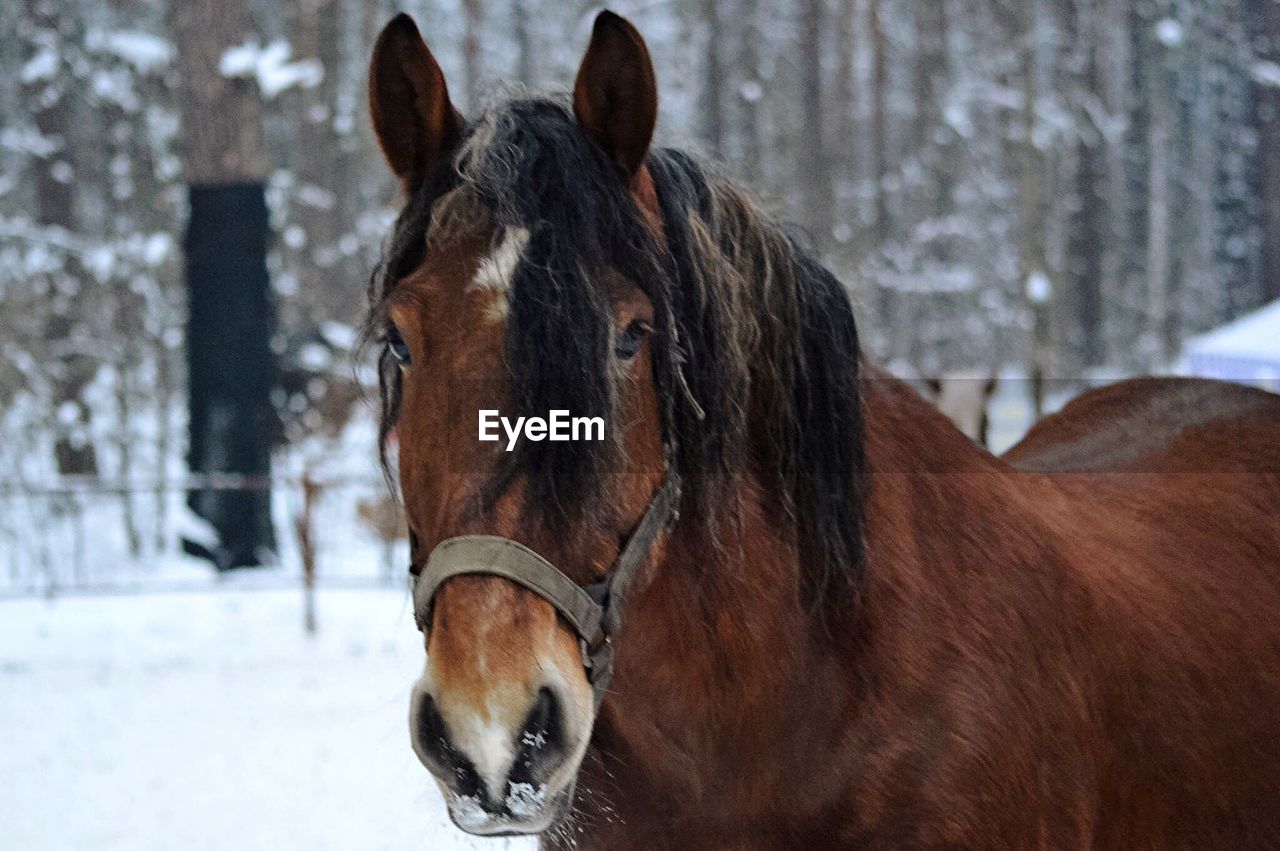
(209, 720)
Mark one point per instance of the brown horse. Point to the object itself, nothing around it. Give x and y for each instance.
(862, 630)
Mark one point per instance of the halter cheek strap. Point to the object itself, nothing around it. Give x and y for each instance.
(594, 612)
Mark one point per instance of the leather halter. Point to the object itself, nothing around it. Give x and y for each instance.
(594, 611)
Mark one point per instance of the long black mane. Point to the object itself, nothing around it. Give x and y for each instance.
(756, 355)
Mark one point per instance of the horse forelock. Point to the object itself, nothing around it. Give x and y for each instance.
(756, 353)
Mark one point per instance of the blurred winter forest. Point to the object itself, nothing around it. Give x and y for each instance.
(1057, 185)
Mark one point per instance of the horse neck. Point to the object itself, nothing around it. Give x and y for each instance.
(716, 650)
(906, 434)
(721, 661)
(938, 506)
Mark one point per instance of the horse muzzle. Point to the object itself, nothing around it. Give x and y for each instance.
(505, 746)
(509, 769)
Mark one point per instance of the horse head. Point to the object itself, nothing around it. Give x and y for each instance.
(482, 305)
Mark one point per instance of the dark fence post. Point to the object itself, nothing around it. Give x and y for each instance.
(230, 317)
(230, 367)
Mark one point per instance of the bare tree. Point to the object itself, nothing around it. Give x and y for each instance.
(472, 19)
(815, 171)
(750, 89)
(324, 286)
(713, 128)
(1264, 19)
(846, 141)
(931, 74)
(1085, 274)
(524, 41)
(1033, 264)
(880, 148)
(55, 184)
(1160, 305)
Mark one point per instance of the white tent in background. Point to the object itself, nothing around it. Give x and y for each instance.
(1247, 350)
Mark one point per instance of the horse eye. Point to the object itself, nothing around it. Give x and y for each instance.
(398, 347)
(628, 342)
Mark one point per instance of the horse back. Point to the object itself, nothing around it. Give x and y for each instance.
(1157, 425)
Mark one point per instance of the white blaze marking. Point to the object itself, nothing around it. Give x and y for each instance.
(497, 270)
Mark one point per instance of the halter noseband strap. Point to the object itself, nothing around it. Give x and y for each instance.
(594, 612)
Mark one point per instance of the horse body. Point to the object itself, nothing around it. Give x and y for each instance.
(1039, 660)
(863, 630)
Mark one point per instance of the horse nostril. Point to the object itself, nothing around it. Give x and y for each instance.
(439, 754)
(430, 732)
(541, 745)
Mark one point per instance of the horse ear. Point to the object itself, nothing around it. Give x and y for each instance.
(409, 103)
(616, 97)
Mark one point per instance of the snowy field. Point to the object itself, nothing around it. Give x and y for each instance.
(211, 721)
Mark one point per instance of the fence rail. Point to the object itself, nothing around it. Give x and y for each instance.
(71, 485)
(86, 535)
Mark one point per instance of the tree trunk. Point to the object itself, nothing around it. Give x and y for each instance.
(472, 13)
(1265, 28)
(1087, 243)
(1237, 186)
(880, 149)
(1034, 276)
(324, 284)
(1159, 202)
(930, 78)
(845, 148)
(750, 90)
(55, 181)
(229, 321)
(524, 42)
(713, 78)
(1087, 240)
(815, 172)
